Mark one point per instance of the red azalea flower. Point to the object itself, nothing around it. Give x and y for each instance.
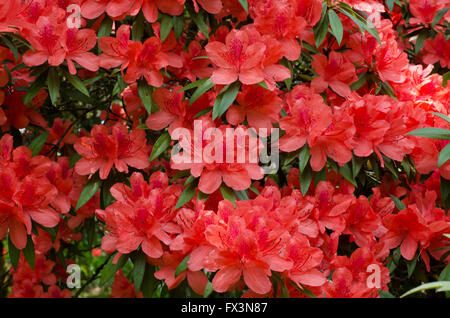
(335, 72)
(236, 59)
(103, 150)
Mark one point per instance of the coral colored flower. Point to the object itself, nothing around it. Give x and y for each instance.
(309, 9)
(217, 162)
(116, 50)
(407, 229)
(23, 201)
(174, 110)
(335, 72)
(103, 150)
(278, 19)
(236, 59)
(244, 250)
(306, 259)
(437, 50)
(92, 9)
(141, 216)
(260, 106)
(77, 44)
(424, 11)
(211, 6)
(328, 132)
(197, 280)
(146, 61)
(46, 40)
(123, 288)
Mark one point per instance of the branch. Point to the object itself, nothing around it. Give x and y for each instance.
(93, 277)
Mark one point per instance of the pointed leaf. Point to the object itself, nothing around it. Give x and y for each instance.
(336, 25)
(139, 262)
(38, 142)
(431, 132)
(14, 253)
(145, 93)
(182, 266)
(187, 194)
(225, 98)
(166, 26)
(160, 146)
(88, 191)
(29, 252)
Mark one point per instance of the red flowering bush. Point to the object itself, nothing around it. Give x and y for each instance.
(251, 148)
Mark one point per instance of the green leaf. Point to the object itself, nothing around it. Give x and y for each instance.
(304, 290)
(445, 190)
(149, 281)
(288, 81)
(359, 83)
(387, 88)
(14, 253)
(361, 21)
(208, 290)
(12, 47)
(411, 265)
(29, 252)
(202, 196)
(346, 172)
(445, 79)
(305, 179)
(445, 274)
(439, 15)
(178, 25)
(398, 203)
(303, 158)
(357, 163)
(439, 286)
(447, 119)
(423, 35)
(321, 30)
(394, 260)
(228, 194)
(77, 83)
(38, 142)
(88, 191)
(193, 84)
(160, 146)
(73, 159)
(105, 27)
(89, 227)
(336, 25)
(137, 31)
(244, 4)
(225, 98)
(182, 266)
(139, 261)
(145, 93)
(187, 194)
(444, 155)
(199, 20)
(53, 85)
(37, 85)
(390, 4)
(431, 132)
(166, 26)
(241, 195)
(110, 269)
(385, 294)
(201, 89)
(262, 84)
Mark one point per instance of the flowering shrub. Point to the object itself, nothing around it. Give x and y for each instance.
(125, 128)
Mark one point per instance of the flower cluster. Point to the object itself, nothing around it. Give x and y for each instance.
(256, 148)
